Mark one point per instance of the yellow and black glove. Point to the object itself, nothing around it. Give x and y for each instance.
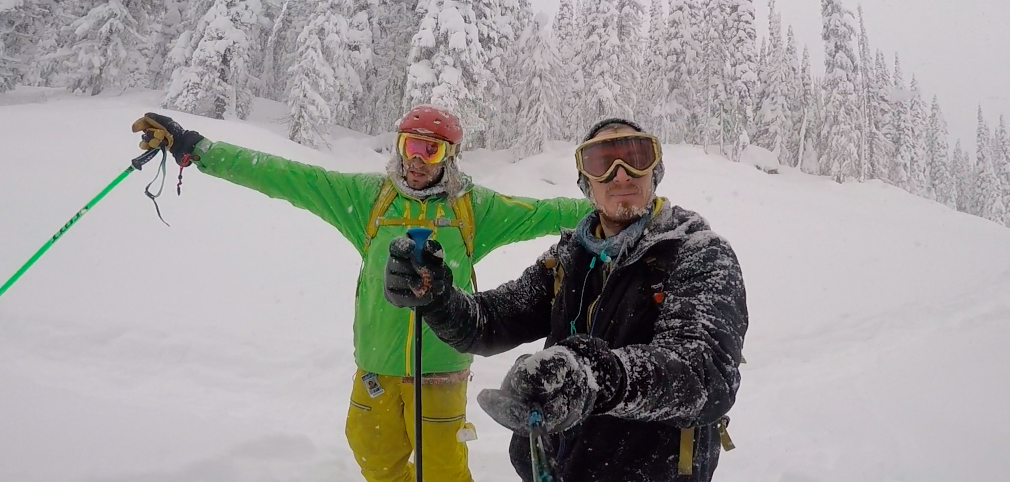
(162, 132)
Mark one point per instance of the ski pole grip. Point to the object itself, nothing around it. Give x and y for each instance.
(419, 236)
(536, 419)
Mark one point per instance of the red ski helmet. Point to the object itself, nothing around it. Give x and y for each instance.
(434, 121)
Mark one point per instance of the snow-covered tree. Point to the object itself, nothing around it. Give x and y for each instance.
(867, 77)
(216, 81)
(774, 120)
(655, 92)
(281, 48)
(684, 106)
(919, 181)
(539, 121)
(901, 99)
(879, 149)
(568, 39)
(794, 99)
(21, 25)
(37, 37)
(944, 182)
(393, 25)
(741, 73)
(312, 86)
(601, 63)
(631, 53)
(989, 195)
(447, 62)
(107, 47)
(841, 77)
(1001, 162)
(809, 128)
(499, 24)
(715, 102)
(964, 173)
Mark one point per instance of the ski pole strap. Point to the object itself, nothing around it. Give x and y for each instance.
(545, 467)
(186, 161)
(161, 174)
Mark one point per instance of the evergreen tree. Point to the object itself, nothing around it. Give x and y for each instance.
(715, 102)
(880, 150)
(446, 63)
(773, 116)
(989, 195)
(38, 40)
(539, 122)
(866, 128)
(684, 106)
(393, 25)
(964, 172)
(794, 99)
(630, 54)
(811, 122)
(741, 73)
(107, 47)
(1001, 163)
(568, 38)
(497, 40)
(601, 61)
(312, 86)
(938, 155)
(216, 81)
(900, 172)
(655, 90)
(842, 119)
(919, 182)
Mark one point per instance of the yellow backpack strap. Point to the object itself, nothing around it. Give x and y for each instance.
(685, 463)
(387, 193)
(462, 208)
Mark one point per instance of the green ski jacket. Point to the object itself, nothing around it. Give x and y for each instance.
(383, 333)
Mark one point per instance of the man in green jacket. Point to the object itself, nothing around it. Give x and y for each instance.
(422, 187)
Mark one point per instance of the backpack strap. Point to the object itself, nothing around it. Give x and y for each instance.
(462, 208)
(387, 193)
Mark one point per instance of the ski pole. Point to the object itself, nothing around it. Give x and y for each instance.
(135, 165)
(545, 467)
(419, 236)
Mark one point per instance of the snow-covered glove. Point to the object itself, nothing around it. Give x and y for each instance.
(578, 377)
(410, 283)
(159, 130)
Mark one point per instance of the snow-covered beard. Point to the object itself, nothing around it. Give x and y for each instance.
(451, 183)
(626, 213)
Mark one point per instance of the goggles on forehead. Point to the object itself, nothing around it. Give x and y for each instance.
(637, 153)
(431, 150)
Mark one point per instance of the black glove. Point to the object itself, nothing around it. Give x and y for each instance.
(410, 283)
(161, 130)
(558, 380)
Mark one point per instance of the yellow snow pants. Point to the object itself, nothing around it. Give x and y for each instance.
(380, 429)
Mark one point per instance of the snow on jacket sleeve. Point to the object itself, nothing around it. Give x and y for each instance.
(495, 321)
(343, 200)
(688, 374)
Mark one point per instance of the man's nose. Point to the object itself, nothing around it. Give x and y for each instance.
(621, 175)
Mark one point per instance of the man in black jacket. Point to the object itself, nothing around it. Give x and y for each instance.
(644, 312)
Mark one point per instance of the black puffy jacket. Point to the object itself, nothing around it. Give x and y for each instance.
(674, 312)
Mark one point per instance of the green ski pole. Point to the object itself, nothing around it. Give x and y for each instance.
(135, 165)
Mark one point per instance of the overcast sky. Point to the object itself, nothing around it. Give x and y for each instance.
(958, 50)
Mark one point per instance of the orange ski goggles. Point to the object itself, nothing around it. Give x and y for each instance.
(431, 150)
(637, 153)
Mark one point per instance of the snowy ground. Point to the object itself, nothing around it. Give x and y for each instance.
(220, 349)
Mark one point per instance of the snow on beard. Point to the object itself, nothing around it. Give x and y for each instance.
(626, 212)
